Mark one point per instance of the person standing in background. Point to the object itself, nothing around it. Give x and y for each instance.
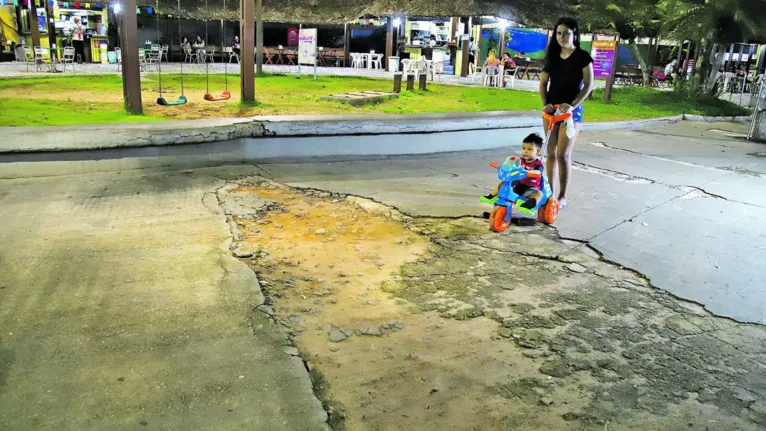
(77, 33)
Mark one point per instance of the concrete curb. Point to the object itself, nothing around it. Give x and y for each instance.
(170, 133)
(704, 119)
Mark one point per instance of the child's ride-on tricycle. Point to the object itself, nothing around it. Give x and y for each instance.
(509, 172)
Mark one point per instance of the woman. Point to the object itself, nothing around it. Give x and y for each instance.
(76, 30)
(567, 80)
(508, 61)
(491, 59)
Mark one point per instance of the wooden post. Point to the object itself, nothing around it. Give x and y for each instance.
(680, 52)
(610, 80)
(466, 45)
(696, 58)
(346, 43)
(51, 30)
(410, 82)
(422, 79)
(131, 68)
(454, 24)
(33, 23)
(477, 41)
(389, 41)
(246, 52)
(593, 39)
(397, 82)
(502, 42)
(258, 36)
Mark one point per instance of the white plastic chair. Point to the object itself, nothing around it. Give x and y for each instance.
(377, 61)
(189, 54)
(40, 58)
(491, 76)
(142, 60)
(68, 57)
(210, 54)
(356, 60)
(436, 69)
(230, 52)
(29, 56)
(477, 73)
(118, 53)
(164, 52)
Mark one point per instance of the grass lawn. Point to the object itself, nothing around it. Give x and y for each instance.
(91, 99)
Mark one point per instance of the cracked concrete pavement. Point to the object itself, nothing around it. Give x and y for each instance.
(89, 341)
(121, 306)
(682, 204)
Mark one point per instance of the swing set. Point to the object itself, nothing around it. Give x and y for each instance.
(161, 100)
(182, 100)
(226, 95)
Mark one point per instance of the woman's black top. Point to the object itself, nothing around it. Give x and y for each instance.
(566, 77)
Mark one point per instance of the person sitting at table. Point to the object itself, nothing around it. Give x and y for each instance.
(670, 69)
(235, 45)
(492, 59)
(432, 41)
(199, 42)
(186, 47)
(507, 61)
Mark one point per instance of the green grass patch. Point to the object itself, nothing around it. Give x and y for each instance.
(286, 94)
(19, 112)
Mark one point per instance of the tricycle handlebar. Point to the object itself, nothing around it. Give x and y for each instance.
(552, 118)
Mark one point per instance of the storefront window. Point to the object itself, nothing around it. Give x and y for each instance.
(41, 19)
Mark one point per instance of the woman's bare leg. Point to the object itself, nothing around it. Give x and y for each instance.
(550, 156)
(564, 159)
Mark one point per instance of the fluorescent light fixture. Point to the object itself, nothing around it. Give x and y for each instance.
(397, 22)
(116, 7)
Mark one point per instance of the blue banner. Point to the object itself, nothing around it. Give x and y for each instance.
(527, 41)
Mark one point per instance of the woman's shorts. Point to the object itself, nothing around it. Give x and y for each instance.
(577, 114)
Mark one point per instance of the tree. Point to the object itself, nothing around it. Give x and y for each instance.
(630, 19)
(717, 23)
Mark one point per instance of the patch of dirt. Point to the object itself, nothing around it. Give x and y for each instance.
(437, 324)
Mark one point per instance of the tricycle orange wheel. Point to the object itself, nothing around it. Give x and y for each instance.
(497, 221)
(549, 212)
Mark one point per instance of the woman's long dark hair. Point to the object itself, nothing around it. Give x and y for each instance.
(553, 53)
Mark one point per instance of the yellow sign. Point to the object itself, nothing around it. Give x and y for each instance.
(605, 44)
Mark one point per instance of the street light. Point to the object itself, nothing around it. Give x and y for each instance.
(116, 7)
(397, 22)
(503, 22)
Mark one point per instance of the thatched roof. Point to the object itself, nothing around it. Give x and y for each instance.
(533, 12)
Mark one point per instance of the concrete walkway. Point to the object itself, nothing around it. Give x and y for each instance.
(122, 308)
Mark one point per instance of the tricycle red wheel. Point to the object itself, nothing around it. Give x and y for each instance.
(497, 221)
(549, 212)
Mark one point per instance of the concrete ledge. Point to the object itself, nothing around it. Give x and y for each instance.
(170, 133)
(704, 119)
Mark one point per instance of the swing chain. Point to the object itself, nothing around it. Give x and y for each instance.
(159, 63)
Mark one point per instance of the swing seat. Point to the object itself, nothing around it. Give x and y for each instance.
(226, 95)
(180, 101)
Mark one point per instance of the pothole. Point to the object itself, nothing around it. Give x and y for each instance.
(435, 324)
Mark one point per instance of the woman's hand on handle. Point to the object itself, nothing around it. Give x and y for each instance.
(550, 109)
(565, 108)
